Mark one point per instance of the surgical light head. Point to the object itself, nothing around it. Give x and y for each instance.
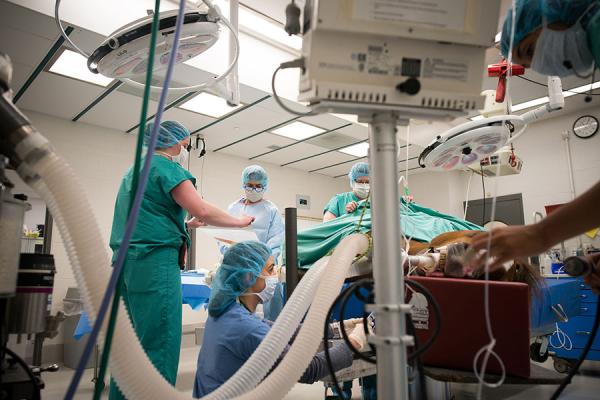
(469, 143)
(124, 53)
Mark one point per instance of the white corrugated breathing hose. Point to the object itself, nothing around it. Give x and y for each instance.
(133, 371)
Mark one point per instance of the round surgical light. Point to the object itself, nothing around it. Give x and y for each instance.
(470, 142)
(124, 54)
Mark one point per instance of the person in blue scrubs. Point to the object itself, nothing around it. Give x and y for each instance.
(268, 224)
(245, 279)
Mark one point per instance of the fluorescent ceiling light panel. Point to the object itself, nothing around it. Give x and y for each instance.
(74, 65)
(357, 150)
(298, 130)
(477, 118)
(530, 103)
(566, 93)
(208, 104)
(581, 89)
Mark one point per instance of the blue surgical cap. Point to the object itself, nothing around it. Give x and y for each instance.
(358, 170)
(255, 173)
(530, 15)
(170, 133)
(242, 264)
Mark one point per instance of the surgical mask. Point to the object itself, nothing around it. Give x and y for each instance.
(182, 157)
(563, 53)
(361, 190)
(253, 196)
(269, 291)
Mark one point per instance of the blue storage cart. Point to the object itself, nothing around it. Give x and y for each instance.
(578, 328)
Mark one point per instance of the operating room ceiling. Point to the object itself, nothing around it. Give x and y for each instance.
(32, 41)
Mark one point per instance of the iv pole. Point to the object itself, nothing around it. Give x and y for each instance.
(391, 339)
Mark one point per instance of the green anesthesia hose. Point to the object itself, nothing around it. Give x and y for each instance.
(136, 173)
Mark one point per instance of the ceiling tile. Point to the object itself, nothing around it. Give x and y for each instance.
(258, 144)
(241, 125)
(31, 54)
(117, 111)
(57, 95)
(298, 150)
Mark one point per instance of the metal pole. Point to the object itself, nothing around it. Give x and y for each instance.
(392, 382)
(38, 344)
(190, 263)
(291, 251)
(48, 224)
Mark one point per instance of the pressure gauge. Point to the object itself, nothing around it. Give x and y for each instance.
(585, 126)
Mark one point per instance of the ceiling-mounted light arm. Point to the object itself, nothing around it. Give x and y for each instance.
(232, 84)
(556, 102)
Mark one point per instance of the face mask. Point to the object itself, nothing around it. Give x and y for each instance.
(269, 291)
(182, 157)
(563, 53)
(253, 196)
(361, 190)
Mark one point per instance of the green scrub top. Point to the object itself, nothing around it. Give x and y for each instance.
(337, 204)
(161, 221)
(593, 32)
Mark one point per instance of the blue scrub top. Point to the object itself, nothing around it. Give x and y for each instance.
(229, 340)
(268, 224)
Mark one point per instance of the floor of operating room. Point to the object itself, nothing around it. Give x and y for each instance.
(585, 386)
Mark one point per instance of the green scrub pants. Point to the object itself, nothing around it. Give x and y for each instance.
(152, 294)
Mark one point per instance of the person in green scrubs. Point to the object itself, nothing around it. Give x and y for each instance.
(340, 205)
(152, 280)
(347, 202)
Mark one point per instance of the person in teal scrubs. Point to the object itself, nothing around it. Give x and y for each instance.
(554, 37)
(152, 280)
(340, 205)
(347, 202)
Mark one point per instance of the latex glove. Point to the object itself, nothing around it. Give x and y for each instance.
(194, 223)
(351, 207)
(349, 325)
(245, 220)
(358, 338)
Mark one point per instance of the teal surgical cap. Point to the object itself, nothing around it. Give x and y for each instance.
(242, 264)
(255, 173)
(170, 133)
(358, 170)
(530, 15)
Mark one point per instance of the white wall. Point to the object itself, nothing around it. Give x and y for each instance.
(544, 179)
(101, 157)
(443, 192)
